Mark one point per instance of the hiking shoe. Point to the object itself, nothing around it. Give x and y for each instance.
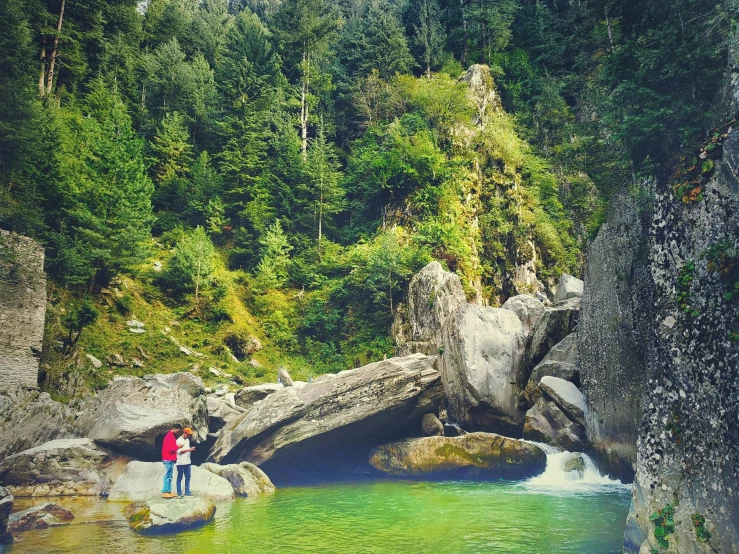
(188, 494)
(168, 495)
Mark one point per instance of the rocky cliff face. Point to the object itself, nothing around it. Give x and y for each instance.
(22, 310)
(660, 360)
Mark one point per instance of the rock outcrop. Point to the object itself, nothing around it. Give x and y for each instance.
(22, 310)
(63, 467)
(566, 396)
(245, 478)
(555, 324)
(562, 361)
(472, 456)
(29, 418)
(546, 423)
(155, 516)
(249, 395)
(482, 368)
(142, 480)
(327, 425)
(221, 412)
(132, 415)
(568, 287)
(529, 310)
(40, 516)
(6, 506)
(433, 295)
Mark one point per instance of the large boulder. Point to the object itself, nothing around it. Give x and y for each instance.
(433, 295)
(529, 310)
(482, 368)
(555, 324)
(431, 426)
(63, 467)
(245, 478)
(249, 395)
(568, 287)
(158, 515)
(142, 480)
(565, 395)
(29, 418)
(327, 425)
(471, 456)
(40, 516)
(546, 423)
(132, 415)
(6, 506)
(221, 412)
(561, 361)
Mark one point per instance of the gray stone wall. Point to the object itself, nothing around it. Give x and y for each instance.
(22, 310)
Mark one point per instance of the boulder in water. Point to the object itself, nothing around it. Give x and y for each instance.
(142, 480)
(6, 505)
(566, 395)
(576, 464)
(545, 422)
(472, 456)
(132, 415)
(482, 368)
(168, 516)
(39, 517)
(63, 467)
(431, 426)
(245, 478)
(327, 425)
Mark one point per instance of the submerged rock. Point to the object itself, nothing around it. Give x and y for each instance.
(142, 480)
(63, 467)
(168, 516)
(245, 478)
(546, 423)
(575, 463)
(6, 505)
(472, 456)
(132, 415)
(39, 517)
(249, 395)
(328, 425)
(482, 368)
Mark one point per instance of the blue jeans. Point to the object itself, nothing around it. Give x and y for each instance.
(168, 468)
(183, 470)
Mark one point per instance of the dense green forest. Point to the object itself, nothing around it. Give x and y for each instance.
(281, 168)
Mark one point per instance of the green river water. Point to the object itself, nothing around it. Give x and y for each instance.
(545, 515)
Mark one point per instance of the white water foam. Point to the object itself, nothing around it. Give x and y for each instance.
(556, 480)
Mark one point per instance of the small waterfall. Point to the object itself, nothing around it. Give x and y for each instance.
(584, 479)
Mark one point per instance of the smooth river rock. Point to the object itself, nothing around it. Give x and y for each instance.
(546, 423)
(482, 368)
(566, 395)
(63, 467)
(132, 415)
(40, 516)
(327, 425)
(6, 505)
(159, 515)
(29, 418)
(142, 480)
(472, 456)
(245, 478)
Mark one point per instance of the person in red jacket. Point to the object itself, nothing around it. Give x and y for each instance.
(169, 457)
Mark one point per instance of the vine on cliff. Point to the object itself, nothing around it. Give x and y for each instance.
(664, 525)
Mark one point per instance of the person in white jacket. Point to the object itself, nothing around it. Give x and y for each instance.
(183, 461)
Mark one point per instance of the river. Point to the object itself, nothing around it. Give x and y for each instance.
(552, 513)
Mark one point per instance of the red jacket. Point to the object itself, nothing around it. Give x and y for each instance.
(169, 447)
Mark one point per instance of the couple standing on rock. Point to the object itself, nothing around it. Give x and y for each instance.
(176, 451)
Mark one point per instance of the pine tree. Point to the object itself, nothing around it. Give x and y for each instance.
(429, 36)
(272, 271)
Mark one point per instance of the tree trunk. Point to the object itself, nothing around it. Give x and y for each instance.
(464, 34)
(197, 289)
(610, 30)
(320, 226)
(42, 77)
(54, 51)
(304, 108)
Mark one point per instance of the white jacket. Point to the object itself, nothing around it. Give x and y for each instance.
(183, 458)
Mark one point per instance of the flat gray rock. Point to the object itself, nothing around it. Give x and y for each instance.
(568, 287)
(143, 480)
(249, 395)
(172, 515)
(566, 395)
(245, 478)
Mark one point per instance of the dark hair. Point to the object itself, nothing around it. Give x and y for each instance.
(176, 426)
